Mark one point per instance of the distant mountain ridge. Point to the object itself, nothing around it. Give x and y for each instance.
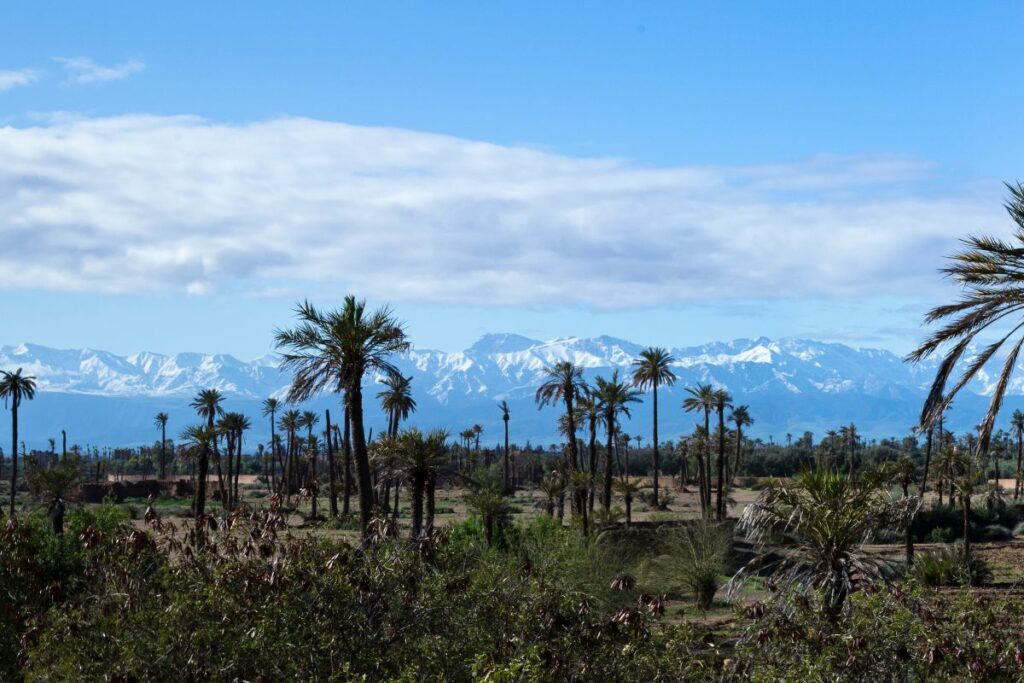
(792, 385)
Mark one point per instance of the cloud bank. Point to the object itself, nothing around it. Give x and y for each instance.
(150, 203)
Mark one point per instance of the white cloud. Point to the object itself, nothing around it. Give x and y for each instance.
(83, 70)
(16, 78)
(147, 203)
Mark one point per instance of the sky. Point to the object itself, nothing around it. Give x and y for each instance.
(176, 177)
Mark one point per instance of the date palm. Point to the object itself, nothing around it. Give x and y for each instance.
(397, 401)
(198, 438)
(989, 271)
(505, 473)
(208, 404)
(650, 371)
(290, 424)
(702, 399)
(420, 456)
(614, 397)
(740, 419)
(722, 401)
(823, 517)
(270, 407)
(15, 388)
(564, 382)
(161, 422)
(333, 350)
(1017, 423)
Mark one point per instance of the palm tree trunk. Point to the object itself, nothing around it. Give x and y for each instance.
(431, 486)
(720, 494)
(655, 430)
(606, 500)
(739, 450)
(273, 454)
(355, 401)
(593, 463)
(330, 466)
(418, 486)
(965, 500)
(909, 538)
(506, 475)
(345, 508)
(14, 452)
(1020, 456)
(927, 464)
(706, 506)
(163, 450)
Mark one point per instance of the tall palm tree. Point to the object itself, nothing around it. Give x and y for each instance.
(161, 422)
(505, 474)
(397, 401)
(333, 350)
(722, 401)
(988, 271)
(588, 410)
(613, 396)
(198, 439)
(420, 456)
(309, 420)
(702, 399)
(650, 371)
(1017, 422)
(15, 388)
(208, 404)
(851, 437)
(270, 407)
(564, 382)
(741, 419)
(290, 424)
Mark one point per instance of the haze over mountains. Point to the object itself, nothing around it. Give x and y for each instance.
(791, 385)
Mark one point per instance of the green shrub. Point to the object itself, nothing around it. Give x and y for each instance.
(946, 567)
(941, 535)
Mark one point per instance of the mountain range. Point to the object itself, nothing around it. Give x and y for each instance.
(791, 386)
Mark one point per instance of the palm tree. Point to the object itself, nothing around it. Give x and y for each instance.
(506, 478)
(651, 370)
(309, 420)
(903, 471)
(588, 410)
(850, 437)
(397, 401)
(1017, 422)
(613, 396)
(702, 398)
(290, 424)
(740, 418)
(823, 517)
(420, 457)
(333, 350)
(14, 388)
(722, 401)
(989, 273)
(270, 407)
(565, 383)
(161, 421)
(627, 488)
(207, 404)
(198, 439)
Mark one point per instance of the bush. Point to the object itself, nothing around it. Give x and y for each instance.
(946, 567)
(694, 559)
(942, 535)
(1019, 529)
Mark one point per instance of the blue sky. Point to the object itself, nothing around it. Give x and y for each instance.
(176, 177)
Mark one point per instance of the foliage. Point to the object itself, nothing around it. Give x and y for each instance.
(891, 635)
(946, 567)
(823, 518)
(694, 558)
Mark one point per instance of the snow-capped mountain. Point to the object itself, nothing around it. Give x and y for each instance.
(791, 385)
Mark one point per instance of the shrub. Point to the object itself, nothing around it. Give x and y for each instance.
(694, 559)
(942, 535)
(1019, 529)
(946, 567)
